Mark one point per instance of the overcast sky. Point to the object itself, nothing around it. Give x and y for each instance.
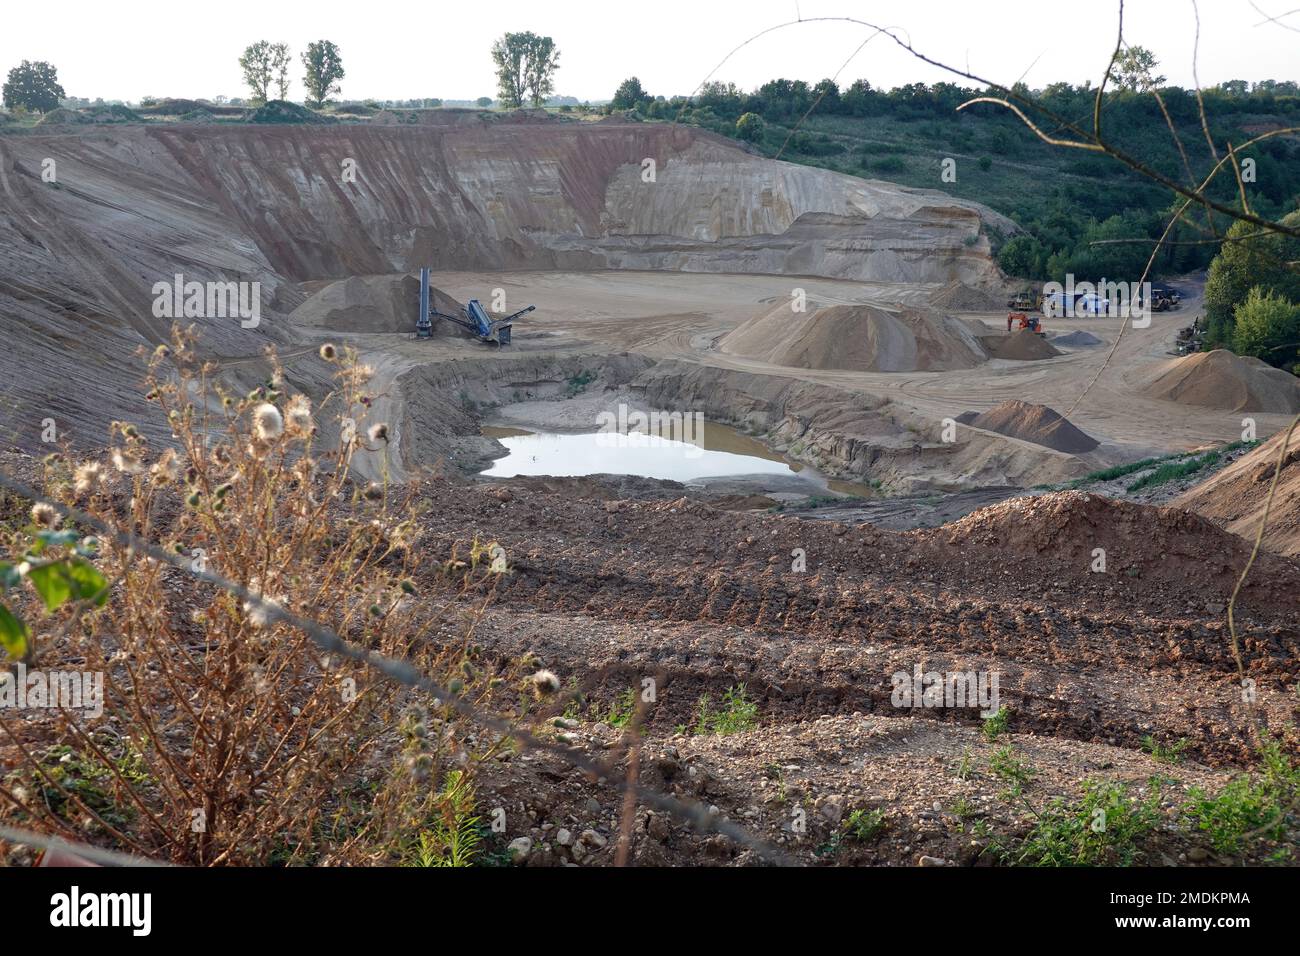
(394, 50)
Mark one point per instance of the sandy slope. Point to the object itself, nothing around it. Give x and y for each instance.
(1220, 379)
(1234, 498)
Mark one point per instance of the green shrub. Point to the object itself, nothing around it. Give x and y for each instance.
(736, 715)
(750, 127)
(996, 725)
(889, 164)
(1249, 807)
(1107, 827)
(282, 111)
(1267, 326)
(1172, 471)
(1012, 770)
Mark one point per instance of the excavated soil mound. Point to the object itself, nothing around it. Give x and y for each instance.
(1049, 539)
(1033, 423)
(1077, 340)
(282, 111)
(1234, 497)
(62, 117)
(372, 304)
(860, 338)
(1220, 379)
(958, 297)
(1019, 346)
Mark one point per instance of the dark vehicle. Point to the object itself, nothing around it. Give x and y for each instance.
(1025, 302)
(1165, 298)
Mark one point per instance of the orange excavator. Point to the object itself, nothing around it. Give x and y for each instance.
(1024, 320)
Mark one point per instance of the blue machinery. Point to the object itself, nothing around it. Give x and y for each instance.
(473, 318)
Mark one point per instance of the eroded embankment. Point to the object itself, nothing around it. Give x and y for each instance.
(850, 433)
(841, 432)
(445, 403)
(1235, 497)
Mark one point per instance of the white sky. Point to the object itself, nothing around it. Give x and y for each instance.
(401, 50)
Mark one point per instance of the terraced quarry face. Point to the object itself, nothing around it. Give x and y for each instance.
(282, 206)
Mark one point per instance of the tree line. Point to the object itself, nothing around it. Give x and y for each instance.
(525, 65)
(264, 63)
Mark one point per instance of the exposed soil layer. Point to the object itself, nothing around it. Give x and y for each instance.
(1035, 423)
(607, 592)
(1234, 498)
(1092, 656)
(1220, 379)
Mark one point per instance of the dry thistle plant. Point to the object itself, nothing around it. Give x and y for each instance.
(227, 737)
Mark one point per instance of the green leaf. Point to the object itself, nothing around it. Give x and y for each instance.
(13, 634)
(9, 576)
(63, 538)
(52, 584)
(87, 583)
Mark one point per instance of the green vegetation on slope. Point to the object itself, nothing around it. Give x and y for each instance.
(1065, 199)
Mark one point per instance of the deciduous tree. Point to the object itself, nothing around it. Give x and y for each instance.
(526, 65)
(1135, 70)
(323, 69)
(256, 64)
(33, 86)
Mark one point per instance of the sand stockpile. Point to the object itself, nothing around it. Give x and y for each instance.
(1077, 340)
(1020, 346)
(1234, 497)
(860, 338)
(372, 304)
(958, 297)
(1033, 423)
(1220, 379)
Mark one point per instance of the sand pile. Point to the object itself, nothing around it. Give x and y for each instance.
(861, 338)
(1032, 423)
(372, 304)
(959, 297)
(1220, 379)
(1020, 346)
(1077, 340)
(1234, 497)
